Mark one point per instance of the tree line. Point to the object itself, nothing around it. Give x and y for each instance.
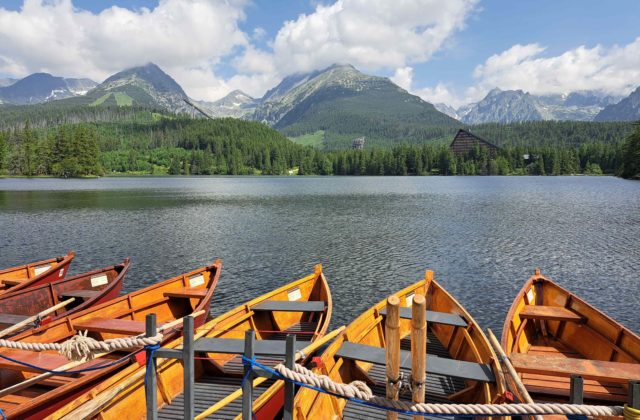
(234, 147)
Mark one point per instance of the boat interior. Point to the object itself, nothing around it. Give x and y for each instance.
(12, 278)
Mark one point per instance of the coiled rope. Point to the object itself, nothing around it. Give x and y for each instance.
(81, 348)
(360, 393)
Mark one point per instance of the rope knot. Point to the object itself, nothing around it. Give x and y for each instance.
(79, 348)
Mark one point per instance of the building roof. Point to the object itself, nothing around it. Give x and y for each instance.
(464, 133)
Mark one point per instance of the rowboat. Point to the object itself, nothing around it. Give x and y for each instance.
(461, 366)
(85, 290)
(34, 274)
(551, 334)
(302, 307)
(124, 316)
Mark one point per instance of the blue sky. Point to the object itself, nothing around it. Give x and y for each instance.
(540, 46)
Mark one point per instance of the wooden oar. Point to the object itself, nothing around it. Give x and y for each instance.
(238, 392)
(68, 366)
(32, 318)
(511, 370)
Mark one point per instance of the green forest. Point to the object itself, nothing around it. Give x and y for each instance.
(143, 142)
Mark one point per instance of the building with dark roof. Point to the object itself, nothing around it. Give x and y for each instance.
(465, 142)
(358, 143)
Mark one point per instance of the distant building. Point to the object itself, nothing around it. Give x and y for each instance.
(464, 142)
(358, 144)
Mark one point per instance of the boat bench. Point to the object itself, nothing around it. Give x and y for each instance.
(12, 318)
(13, 282)
(109, 325)
(187, 293)
(550, 313)
(42, 359)
(434, 317)
(435, 365)
(289, 306)
(565, 367)
(84, 294)
(236, 346)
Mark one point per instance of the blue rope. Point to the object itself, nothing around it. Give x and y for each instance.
(152, 350)
(252, 362)
(67, 372)
(4, 416)
(248, 362)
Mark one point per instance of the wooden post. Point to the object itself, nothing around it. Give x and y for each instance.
(188, 364)
(247, 386)
(418, 349)
(392, 337)
(151, 386)
(576, 390)
(289, 388)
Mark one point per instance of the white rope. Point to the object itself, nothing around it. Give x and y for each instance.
(83, 348)
(361, 391)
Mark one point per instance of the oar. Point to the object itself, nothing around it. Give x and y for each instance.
(25, 384)
(511, 370)
(238, 392)
(32, 318)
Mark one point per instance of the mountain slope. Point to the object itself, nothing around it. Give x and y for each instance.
(346, 104)
(146, 86)
(236, 104)
(627, 109)
(43, 87)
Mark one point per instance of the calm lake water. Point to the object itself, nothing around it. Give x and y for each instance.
(483, 236)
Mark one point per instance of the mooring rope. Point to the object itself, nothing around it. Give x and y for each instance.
(83, 348)
(359, 392)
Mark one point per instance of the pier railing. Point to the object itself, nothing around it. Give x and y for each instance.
(252, 370)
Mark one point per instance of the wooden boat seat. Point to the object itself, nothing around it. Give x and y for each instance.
(236, 346)
(43, 359)
(435, 365)
(12, 318)
(114, 326)
(289, 306)
(84, 294)
(13, 282)
(187, 293)
(550, 313)
(435, 317)
(588, 369)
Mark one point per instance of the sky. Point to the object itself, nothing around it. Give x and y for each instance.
(449, 51)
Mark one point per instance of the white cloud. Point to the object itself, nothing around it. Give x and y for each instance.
(615, 70)
(185, 37)
(369, 34)
(403, 77)
(441, 93)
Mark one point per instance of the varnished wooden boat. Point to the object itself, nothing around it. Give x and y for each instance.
(34, 274)
(461, 365)
(302, 307)
(550, 334)
(87, 289)
(124, 316)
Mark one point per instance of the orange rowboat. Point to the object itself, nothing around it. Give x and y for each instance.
(34, 274)
(122, 317)
(86, 289)
(551, 334)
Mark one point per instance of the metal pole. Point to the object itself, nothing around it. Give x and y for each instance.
(576, 390)
(289, 388)
(151, 386)
(634, 394)
(188, 364)
(247, 385)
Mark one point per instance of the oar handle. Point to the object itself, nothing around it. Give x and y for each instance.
(32, 318)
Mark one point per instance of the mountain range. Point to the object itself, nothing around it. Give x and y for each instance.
(42, 87)
(339, 102)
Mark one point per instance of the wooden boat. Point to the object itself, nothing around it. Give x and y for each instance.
(461, 366)
(302, 307)
(551, 334)
(121, 317)
(86, 290)
(34, 274)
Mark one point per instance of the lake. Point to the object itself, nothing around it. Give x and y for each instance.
(483, 236)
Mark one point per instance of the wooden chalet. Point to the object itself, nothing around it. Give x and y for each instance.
(465, 142)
